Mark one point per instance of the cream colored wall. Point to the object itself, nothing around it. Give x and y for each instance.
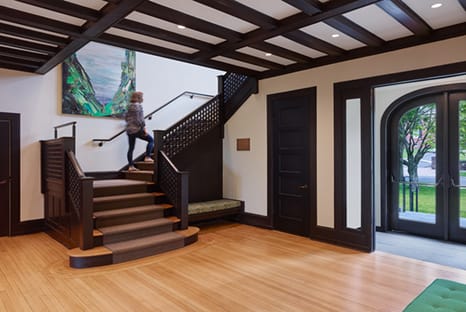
(245, 173)
(38, 99)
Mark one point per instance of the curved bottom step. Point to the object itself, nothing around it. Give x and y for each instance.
(102, 255)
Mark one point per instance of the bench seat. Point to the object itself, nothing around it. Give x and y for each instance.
(211, 209)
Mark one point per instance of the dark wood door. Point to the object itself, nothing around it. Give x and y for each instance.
(293, 130)
(9, 171)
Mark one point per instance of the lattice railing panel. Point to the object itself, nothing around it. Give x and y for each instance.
(191, 128)
(73, 188)
(168, 180)
(231, 84)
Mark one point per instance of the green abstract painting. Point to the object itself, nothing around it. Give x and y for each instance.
(98, 81)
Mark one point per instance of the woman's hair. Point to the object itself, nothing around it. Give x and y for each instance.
(136, 96)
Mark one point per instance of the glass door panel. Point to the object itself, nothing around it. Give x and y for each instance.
(417, 162)
(462, 162)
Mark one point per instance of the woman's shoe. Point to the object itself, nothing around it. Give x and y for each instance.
(148, 160)
(132, 168)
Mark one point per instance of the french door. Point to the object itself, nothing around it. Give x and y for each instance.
(427, 165)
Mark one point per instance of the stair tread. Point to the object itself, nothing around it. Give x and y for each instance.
(119, 182)
(190, 231)
(96, 251)
(139, 171)
(131, 210)
(134, 226)
(126, 196)
(145, 242)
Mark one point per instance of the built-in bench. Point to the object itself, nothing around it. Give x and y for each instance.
(213, 209)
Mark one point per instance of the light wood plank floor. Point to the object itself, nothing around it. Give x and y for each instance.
(231, 268)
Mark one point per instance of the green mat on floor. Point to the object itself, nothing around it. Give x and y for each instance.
(440, 296)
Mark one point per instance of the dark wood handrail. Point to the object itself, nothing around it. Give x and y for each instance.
(149, 116)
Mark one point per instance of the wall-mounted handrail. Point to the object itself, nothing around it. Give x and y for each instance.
(71, 123)
(149, 116)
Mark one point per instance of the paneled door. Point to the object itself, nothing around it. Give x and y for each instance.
(9, 171)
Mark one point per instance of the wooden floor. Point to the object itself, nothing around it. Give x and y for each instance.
(231, 268)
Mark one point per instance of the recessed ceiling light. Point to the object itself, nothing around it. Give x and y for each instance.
(436, 5)
(268, 54)
(335, 35)
(181, 27)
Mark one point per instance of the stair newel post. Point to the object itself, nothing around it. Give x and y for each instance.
(221, 103)
(87, 226)
(158, 145)
(184, 199)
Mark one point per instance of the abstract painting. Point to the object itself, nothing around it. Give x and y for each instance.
(98, 81)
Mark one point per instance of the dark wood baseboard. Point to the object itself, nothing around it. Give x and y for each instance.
(28, 227)
(332, 236)
(256, 220)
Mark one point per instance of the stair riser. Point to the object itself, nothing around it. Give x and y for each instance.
(145, 166)
(149, 251)
(101, 222)
(139, 176)
(128, 189)
(125, 236)
(116, 204)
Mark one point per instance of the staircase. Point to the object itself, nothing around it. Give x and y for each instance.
(132, 219)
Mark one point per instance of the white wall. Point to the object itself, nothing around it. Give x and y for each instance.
(245, 173)
(38, 99)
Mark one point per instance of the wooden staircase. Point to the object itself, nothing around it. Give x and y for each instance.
(132, 219)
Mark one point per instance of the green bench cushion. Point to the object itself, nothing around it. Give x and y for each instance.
(440, 296)
(212, 205)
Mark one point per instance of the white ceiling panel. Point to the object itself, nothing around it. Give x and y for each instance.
(150, 40)
(274, 8)
(92, 4)
(377, 21)
(35, 29)
(30, 40)
(326, 33)
(42, 12)
(231, 61)
(295, 47)
(168, 26)
(266, 56)
(208, 14)
(450, 13)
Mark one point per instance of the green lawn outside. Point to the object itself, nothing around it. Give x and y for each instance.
(426, 200)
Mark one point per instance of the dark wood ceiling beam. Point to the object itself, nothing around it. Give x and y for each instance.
(313, 42)
(241, 11)
(20, 62)
(397, 44)
(168, 53)
(310, 7)
(33, 35)
(279, 51)
(144, 29)
(354, 30)
(253, 60)
(67, 8)
(405, 16)
(111, 13)
(31, 20)
(179, 18)
(28, 45)
(289, 24)
(16, 67)
(23, 55)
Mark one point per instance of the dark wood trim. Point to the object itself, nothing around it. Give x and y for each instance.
(403, 14)
(29, 227)
(256, 220)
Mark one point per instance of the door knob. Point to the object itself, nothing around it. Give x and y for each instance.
(4, 180)
(303, 187)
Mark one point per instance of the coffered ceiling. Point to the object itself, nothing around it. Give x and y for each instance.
(262, 38)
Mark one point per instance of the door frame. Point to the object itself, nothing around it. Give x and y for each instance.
(312, 173)
(385, 152)
(14, 209)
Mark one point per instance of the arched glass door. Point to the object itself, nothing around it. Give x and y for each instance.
(428, 166)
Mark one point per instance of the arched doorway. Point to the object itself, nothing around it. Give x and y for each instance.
(426, 162)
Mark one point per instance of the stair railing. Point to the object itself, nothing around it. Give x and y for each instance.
(174, 183)
(149, 116)
(71, 123)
